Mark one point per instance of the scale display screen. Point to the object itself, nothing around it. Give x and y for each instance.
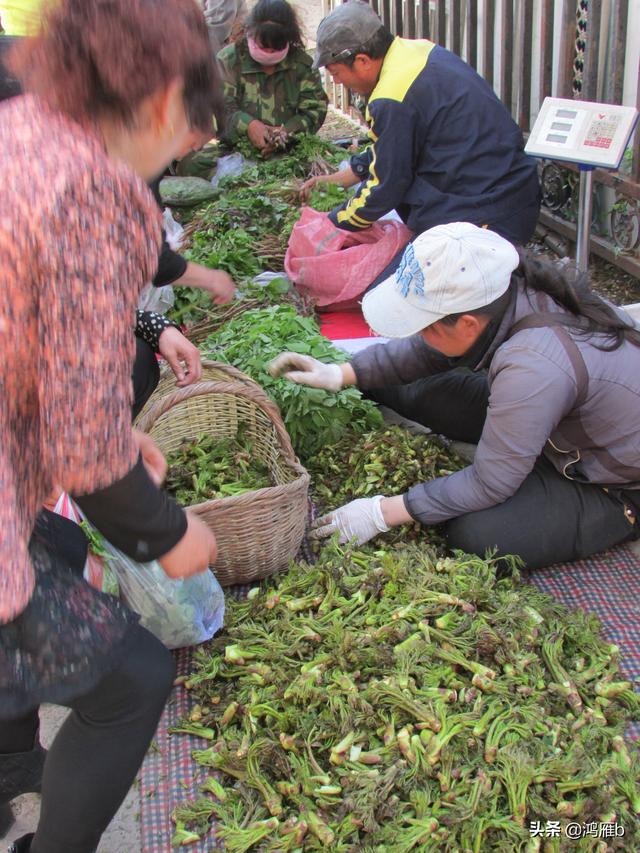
(582, 132)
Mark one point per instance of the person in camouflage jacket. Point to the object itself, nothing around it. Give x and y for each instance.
(269, 82)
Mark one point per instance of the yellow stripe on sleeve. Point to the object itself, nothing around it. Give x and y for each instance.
(404, 61)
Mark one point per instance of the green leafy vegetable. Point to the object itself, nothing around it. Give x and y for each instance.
(209, 467)
(314, 418)
(247, 228)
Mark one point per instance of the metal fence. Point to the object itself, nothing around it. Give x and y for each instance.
(526, 50)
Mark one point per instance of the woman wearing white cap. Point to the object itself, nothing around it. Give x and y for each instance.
(551, 394)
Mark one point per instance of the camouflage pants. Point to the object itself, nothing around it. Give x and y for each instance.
(200, 164)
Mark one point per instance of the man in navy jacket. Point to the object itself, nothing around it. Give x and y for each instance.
(444, 148)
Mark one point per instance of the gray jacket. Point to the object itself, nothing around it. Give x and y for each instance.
(221, 15)
(588, 426)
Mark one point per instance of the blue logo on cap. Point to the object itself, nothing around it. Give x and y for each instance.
(410, 273)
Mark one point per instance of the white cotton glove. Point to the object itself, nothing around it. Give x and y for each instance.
(361, 520)
(306, 370)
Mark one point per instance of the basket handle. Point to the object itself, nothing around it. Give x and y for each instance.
(235, 374)
(238, 389)
(229, 373)
(221, 367)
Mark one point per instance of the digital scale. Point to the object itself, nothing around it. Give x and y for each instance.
(588, 134)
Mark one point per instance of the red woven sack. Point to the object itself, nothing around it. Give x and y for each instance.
(333, 265)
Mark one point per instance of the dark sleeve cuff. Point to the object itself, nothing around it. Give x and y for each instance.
(360, 163)
(407, 505)
(171, 266)
(150, 325)
(135, 516)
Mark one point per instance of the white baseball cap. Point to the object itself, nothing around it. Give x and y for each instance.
(448, 269)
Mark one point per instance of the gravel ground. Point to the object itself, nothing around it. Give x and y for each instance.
(122, 834)
(606, 279)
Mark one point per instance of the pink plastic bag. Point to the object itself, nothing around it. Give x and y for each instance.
(333, 265)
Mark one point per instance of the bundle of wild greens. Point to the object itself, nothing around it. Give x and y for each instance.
(325, 197)
(263, 200)
(314, 418)
(194, 310)
(239, 219)
(390, 700)
(385, 461)
(308, 155)
(208, 467)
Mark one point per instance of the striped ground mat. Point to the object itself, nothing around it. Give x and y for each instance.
(169, 776)
(607, 584)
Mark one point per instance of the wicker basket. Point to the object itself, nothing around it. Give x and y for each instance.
(258, 532)
(215, 371)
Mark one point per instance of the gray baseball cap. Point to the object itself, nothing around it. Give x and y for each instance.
(345, 30)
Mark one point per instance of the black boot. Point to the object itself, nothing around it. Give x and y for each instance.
(21, 845)
(6, 819)
(20, 773)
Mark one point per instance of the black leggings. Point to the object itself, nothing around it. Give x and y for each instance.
(96, 754)
(549, 519)
(145, 375)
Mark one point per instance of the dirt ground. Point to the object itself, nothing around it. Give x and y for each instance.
(310, 14)
(609, 281)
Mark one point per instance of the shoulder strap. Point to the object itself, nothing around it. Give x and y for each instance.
(555, 321)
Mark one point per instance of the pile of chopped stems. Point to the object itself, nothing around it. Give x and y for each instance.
(391, 700)
(209, 467)
(314, 418)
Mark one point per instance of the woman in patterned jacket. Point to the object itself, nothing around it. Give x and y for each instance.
(113, 87)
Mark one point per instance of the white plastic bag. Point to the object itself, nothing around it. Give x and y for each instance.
(174, 232)
(230, 165)
(182, 612)
(265, 278)
(179, 612)
(158, 299)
